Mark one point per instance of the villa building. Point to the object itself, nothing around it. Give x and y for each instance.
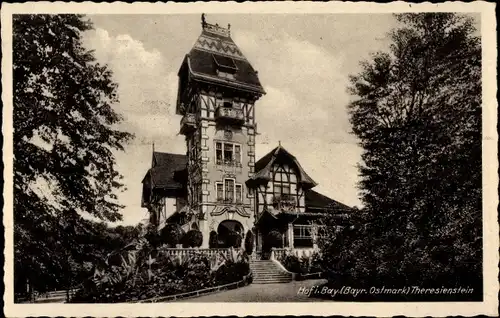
(218, 185)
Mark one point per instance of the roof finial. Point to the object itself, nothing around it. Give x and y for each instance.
(153, 146)
(279, 143)
(203, 21)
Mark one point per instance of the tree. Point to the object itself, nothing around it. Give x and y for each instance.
(64, 137)
(418, 118)
(273, 239)
(193, 238)
(233, 239)
(213, 241)
(171, 234)
(249, 242)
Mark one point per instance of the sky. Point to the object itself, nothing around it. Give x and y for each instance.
(303, 61)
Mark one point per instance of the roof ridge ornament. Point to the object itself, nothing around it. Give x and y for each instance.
(215, 28)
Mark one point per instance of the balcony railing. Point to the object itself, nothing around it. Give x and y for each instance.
(284, 203)
(230, 201)
(188, 124)
(229, 163)
(230, 114)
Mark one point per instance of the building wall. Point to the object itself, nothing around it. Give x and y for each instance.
(265, 194)
(209, 172)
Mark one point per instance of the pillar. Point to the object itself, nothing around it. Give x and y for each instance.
(204, 228)
(290, 235)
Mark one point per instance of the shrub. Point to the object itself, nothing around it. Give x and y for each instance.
(274, 239)
(172, 234)
(249, 242)
(315, 263)
(193, 238)
(231, 272)
(164, 275)
(213, 241)
(234, 240)
(291, 263)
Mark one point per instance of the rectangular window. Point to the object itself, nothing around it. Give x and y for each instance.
(218, 153)
(229, 190)
(220, 191)
(228, 153)
(302, 236)
(237, 154)
(238, 193)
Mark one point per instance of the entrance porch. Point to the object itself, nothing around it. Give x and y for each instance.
(286, 231)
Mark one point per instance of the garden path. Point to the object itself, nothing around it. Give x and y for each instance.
(284, 292)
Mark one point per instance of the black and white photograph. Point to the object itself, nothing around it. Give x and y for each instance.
(337, 159)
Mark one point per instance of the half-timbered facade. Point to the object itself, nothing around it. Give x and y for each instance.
(217, 186)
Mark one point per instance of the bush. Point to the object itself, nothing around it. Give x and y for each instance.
(213, 241)
(315, 263)
(291, 263)
(274, 239)
(165, 275)
(234, 240)
(193, 238)
(171, 234)
(231, 272)
(249, 242)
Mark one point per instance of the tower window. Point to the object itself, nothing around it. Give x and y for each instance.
(227, 153)
(229, 191)
(225, 64)
(238, 193)
(220, 191)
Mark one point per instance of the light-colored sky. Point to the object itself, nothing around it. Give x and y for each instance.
(303, 62)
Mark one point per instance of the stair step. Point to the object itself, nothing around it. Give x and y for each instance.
(272, 282)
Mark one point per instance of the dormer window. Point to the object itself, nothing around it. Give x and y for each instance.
(224, 64)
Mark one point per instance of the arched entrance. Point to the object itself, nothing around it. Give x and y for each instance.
(230, 234)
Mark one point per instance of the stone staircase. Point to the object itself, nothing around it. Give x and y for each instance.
(267, 272)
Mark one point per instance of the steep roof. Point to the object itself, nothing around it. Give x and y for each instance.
(215, 48)
(167, 170)
(315, 200)
(263, 167)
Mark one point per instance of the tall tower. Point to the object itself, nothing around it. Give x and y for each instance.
(218, 88)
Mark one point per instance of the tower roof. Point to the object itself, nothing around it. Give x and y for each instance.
(215, 58)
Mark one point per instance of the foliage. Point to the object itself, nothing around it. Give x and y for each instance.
(141, 271)
(418, 119)
(249, 242)
(274, 239)
(213, 241)
(193, 238)
(64, 141)
(291, 263)
(234, 239)
(172, 234)
(302, 265)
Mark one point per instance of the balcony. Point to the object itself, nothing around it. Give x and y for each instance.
(188, 124)
(229, 114)
(284, 203)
